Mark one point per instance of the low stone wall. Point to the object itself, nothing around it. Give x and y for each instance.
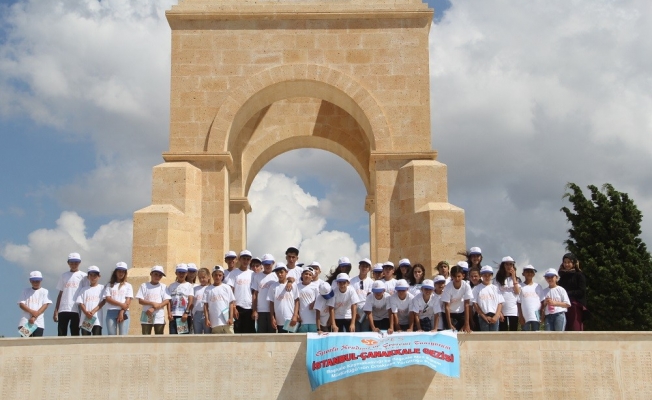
(603, 365)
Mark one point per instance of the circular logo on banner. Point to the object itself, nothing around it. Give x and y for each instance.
(369, 342)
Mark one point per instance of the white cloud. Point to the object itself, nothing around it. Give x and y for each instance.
(46, 249)
(529, 96)
(284, 215)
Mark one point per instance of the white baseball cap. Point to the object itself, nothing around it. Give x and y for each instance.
(93, 268)
(388, 264)
(74, 257)
(280, 266)
(309, 269)
(315, 264)
(192, 267)
(158, 268)
(35, 276)
(531, 268)
(378, 287)
(378, 267)
(464, 265)
(344, 261)
(256, 259)
(325, 290)
(181, 268)
(366, 261)
(475, 250)
(404, 261)
(508, 259)
(245, 253)
(401, 284)
(551, 272)
(230, 254)
(218, 268)
(121, 265)
(439, 278)
(428, 284)
(486, 270)
(267, 259)
(343, 277)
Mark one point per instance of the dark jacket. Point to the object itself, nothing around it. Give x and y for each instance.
(575, 285)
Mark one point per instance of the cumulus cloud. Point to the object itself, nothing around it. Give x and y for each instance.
(284, 215)
(96, 71)
(47, 249)
(537, 95)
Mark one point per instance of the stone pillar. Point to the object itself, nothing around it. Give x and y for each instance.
(238, 210)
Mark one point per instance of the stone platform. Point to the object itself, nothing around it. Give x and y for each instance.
(601, 365)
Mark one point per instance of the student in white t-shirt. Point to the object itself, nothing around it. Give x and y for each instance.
(346, 304)
(425, 309)
(325, 309)
(487, 300)
(240, 281)
(529, 301)
(283, 304)
(154, 298)
(294, 270)
(554, 302)
(443, 269)
(66, 312)
(33, 302)
(230, 260)
(308, 293)
(440, 284)
(399, 307)
(260, 284)
(362, 286)
(457, 298)
(510, 288)
(219, 304)
(415, 278)
(388, 277)
(180, 304)
(376, 307)
(118, 294)
(377, 272)
(198, 320)
(91, 300)
(317, 271)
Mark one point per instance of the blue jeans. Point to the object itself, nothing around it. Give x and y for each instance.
(487, 327)
(199, 323)
(532, 326)
(112, 325)
(556, 322)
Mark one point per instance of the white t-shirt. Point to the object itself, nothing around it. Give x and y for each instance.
(240, 281)
(364, 291)
(90, 297)
(283, 301)
(377, 307)
(34, 300)
(324, 306)
(307, 295)
(507, 290)
(155, 294)
(218, 299)
(415, 289)
(390, 286)
(68, 284)
(261, 283)
(440, 321)
(179, 297)
(487, 297)
(227, 273)
(530, 300)
(296, 274)
(198, 301)
(344, 301)
(456, 297)
(401, 307)
(425, 309)
(557, 293)
(118, 293)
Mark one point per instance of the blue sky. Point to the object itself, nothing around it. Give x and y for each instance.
(525, 97)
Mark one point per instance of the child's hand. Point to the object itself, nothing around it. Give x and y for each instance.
(207, 322)
(236, 314)
(352, 327)
(254, 315)
(390, 331)
(293, 322)
(32, 320)
(230, 321)
(334, 328)
(150, 311)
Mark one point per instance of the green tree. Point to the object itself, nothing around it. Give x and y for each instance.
(618, 268)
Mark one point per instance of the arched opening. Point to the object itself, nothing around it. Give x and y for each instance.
(311, 198)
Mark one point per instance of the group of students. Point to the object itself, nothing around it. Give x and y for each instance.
(252, 294)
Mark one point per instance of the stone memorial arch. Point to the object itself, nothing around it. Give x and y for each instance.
(254, 79)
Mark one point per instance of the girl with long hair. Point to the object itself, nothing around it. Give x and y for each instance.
(510, 288)
(118, 294)
(572, 279)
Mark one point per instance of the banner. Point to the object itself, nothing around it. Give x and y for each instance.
(331, 357)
